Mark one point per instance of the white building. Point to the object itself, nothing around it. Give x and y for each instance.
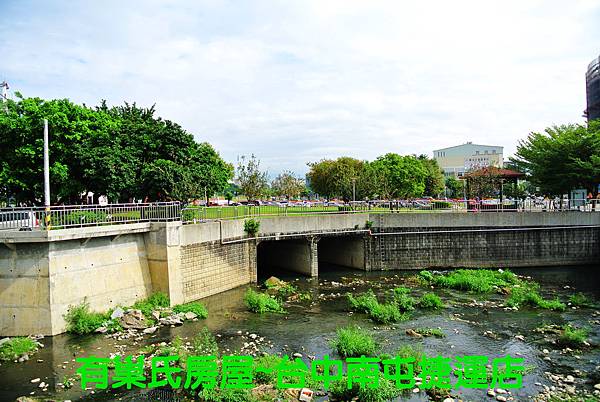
(457, 160)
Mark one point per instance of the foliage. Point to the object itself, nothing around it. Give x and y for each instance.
(441, 204)
(368, 224)
(401, 176)
(287, 185)
(251, 226)
(438, 333)
(385, 391)
(581, 300)
(484, 182)
(205, 343)
(340, 177)
(147, 306)
(434, 177)
(527, 294)
(430, 301)
(562, 158)
(261, 302)
(474, 280)
(362, 303)
(252, 181)
(408, 351)
(353, 341)
(194, 307)
(454, 187)
(226, 395)
(80, 320)
(121, 152)
(383, 313)
(17, 347)
(263, 369)
(571, 336)
(402, 298)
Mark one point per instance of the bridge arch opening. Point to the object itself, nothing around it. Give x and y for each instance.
(346, 251)
(277, 257)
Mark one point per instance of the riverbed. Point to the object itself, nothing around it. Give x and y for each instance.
(473, 324)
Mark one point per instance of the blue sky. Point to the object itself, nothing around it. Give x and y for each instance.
(297, 81)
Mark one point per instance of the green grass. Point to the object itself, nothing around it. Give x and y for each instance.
(430, 301)
(264, 369)
(402, 298)
(572, 336)
(81, 321)
(383, 313)
(261, 302)
(406, 352)
(147, 306)
(17, 347)
(385, 391)
(438, 333)
(472, 280)
(353, 341)
(580, 300)
(194, 307)
(205, 343)
(528, 295)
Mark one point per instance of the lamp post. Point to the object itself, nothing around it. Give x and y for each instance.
(354, 189)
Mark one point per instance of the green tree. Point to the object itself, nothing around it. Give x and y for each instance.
(562, 158)
(287, 185)
(252, 181)
(455, 187)
(434, 178)
(400, 176)
(341, 178)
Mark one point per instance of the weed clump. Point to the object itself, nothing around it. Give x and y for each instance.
(473, 280)
(354, 341)
(205, 343)
(430, 301)
(402, 298)
(261, 303)
(385, 391)
(571, 336)
(81, 321)
(436, 332)
(580, 300)
(384, 313)
(529, 296)
(17, 347)
(147, 306)
(193, 307)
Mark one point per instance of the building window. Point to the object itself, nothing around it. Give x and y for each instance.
(494, 151)
(476, 152)
(486, 152)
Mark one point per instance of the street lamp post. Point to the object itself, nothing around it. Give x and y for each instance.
(354, 189)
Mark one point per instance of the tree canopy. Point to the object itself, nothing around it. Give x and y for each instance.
(122, 152)
(562, 158)
(287, 185)
(253, 182)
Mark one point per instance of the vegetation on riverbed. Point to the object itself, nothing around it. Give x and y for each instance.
(571, 336)
(17, 347)
(258, 302)
(383, 313)
(430, 301)
(521, 292)
(402, 298)
(155, 301)
(385, 391)
(580, 300)
(192, 307)
(353, 341)
(81, 320)
(436, 332)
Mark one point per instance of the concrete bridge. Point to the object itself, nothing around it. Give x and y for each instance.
(43, 272)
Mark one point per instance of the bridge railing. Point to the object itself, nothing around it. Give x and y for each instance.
(69, 216)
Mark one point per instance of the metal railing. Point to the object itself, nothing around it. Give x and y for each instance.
(69, 216)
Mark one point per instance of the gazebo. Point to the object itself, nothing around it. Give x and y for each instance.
(494, 175)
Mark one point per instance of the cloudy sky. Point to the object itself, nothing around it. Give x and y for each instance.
(297, 81)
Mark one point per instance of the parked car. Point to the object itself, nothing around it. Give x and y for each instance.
(18, 220)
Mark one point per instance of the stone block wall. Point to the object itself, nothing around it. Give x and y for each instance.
(211, 267)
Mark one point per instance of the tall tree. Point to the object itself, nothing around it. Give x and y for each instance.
(402, 176)
(252, 180)
(344, 177)
(434, 177)
(562, 158)
(287, 185)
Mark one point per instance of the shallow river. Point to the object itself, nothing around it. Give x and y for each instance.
(308, 326)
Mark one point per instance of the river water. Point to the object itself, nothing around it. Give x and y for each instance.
(308, 326)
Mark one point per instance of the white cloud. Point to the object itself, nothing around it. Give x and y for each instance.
(294, 82)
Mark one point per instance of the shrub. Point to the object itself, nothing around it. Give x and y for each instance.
(428, 276)
(80, 218)
(580, 300)
(261, 302)
(441, 204)
(571, 336)
(251, 226)
(147, 306)
(431, 301)
(17, 347)
(194, 307)
(80, 320)
(353, 341)
(205, 343)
